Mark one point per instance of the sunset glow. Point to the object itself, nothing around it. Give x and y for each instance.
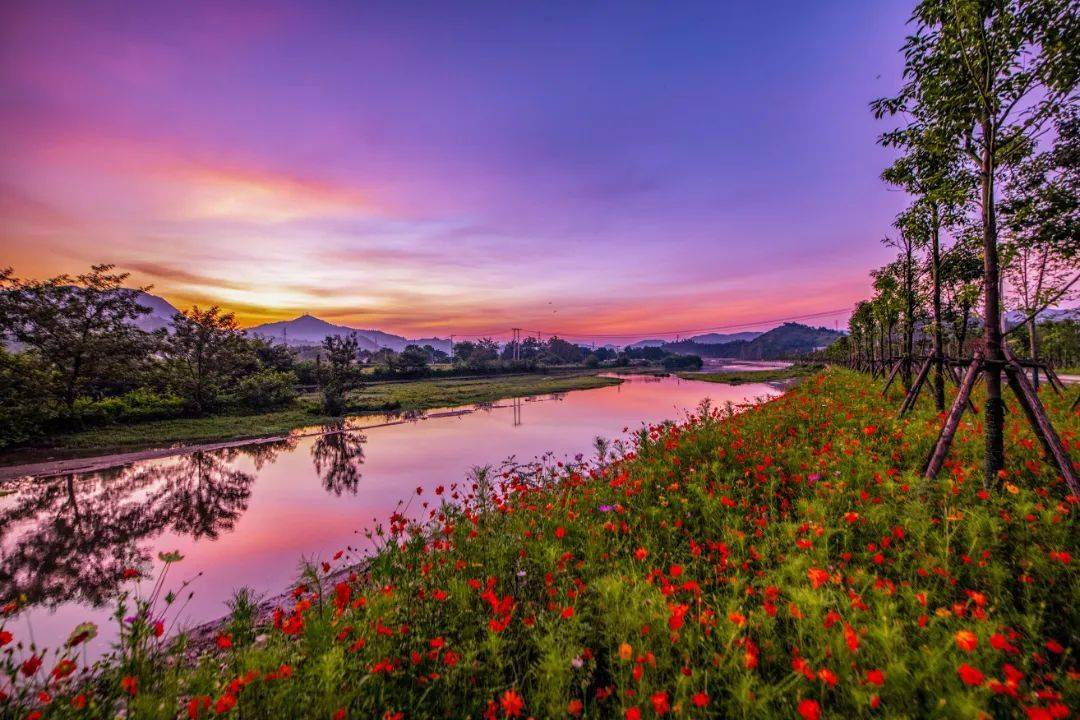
(586, 170)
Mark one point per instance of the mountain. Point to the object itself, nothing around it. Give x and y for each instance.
(310, 330)
(785, 341)
(717, 338)
(647, 343)
(1050, 315)
(161, 312)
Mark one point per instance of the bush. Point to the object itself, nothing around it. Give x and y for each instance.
(264, 390)
(139, 405)
(682, 362)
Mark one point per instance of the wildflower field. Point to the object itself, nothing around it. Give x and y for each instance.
(785, 562)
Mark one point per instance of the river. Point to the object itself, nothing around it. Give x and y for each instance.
(246, 515)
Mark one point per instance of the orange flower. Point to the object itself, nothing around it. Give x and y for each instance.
(817, 577)
(966, 640)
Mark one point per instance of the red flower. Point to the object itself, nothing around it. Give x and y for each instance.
(5, 637)
(512, 703)
(567, 612)
(574, 707)
(700, 699)
(197, 704)
(224, 641)
(63, 668)
(827, 676)
(875, 677)
(224, 704)
(340, 714)
(1055, 647)
(970, 675)
(31, 665)
(660, 704)
(130, 685)
(809, 710)
(633, 714)
(817, 577)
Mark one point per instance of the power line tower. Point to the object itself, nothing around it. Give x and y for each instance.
(517, 343)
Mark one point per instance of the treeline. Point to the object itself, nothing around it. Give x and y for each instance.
(72, 356)
(987, 143)
(933, 298)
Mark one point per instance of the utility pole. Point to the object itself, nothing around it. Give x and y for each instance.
(516, 334)
(451, 348)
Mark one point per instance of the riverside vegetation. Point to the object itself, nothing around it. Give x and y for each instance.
(787, 561)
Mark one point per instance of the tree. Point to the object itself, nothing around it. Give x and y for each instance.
(987, 75)
(81, 327)
(412, 359)
(912, 225)
(1041, 217)
(961, 285)
(931, 171)
(203, 349)
(341, 375)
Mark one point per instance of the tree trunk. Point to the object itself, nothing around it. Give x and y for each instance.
(1033, 348)
(909, 315)
(939, 369)
(994, 424)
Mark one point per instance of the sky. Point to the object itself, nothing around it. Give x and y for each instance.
(586, 168)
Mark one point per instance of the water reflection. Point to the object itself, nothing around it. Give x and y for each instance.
(71, 538)
(338, 454)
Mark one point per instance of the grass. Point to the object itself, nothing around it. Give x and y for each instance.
(754, 376)
(374, 398)
(784, 562)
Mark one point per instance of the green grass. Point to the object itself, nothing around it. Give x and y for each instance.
(375, 398)
(783, 562)
(753, 376)
(426, 394)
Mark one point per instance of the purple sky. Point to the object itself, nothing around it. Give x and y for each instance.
(436, 167)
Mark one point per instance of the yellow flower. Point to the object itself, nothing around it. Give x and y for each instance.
(1012, 488)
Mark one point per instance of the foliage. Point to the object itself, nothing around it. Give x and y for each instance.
(682, 362)
(79, 327)
(203, 350)
(783, 562)
(265, 390)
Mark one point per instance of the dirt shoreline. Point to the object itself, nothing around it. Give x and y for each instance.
(95, 463)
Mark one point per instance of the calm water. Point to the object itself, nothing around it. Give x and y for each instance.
(245, 516)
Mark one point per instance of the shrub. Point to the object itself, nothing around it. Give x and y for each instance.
(265, 390)
(682, 362)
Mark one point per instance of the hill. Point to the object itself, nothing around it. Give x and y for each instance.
(787, 340)
(718, 338)
(310, 330)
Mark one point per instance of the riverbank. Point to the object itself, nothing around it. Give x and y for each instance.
(376, 398)
(787, 561)
(740, 377)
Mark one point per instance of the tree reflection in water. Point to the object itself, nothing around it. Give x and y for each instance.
(71, 538)
(338, 454)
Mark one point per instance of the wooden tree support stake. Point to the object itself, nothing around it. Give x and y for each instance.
(960, 403)
(892, 376)
(1040, 423)
(916, 387)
